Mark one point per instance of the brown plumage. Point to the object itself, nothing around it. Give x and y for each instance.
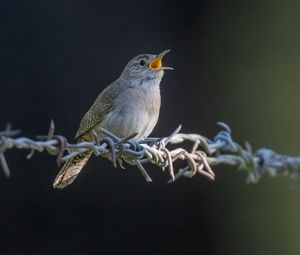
(128, 105)
(102, 105)
(72, 167)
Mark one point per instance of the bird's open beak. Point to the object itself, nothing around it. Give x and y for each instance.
(156, 64)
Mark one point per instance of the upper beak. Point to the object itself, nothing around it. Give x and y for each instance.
(156, 64)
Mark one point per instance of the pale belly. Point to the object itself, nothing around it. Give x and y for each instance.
(135, 111)
(124, 122)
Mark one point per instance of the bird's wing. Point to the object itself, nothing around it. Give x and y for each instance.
(103, 104)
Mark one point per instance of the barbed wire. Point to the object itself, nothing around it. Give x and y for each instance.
(203, 154)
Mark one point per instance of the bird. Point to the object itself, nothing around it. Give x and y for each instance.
(129, 105)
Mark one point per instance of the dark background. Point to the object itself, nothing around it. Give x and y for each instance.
(235, 61)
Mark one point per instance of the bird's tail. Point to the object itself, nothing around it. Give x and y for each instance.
(73, 166)
(70, 170)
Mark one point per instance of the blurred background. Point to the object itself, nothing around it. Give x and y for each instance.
(235, 61)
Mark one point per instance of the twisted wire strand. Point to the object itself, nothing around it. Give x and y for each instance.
(203, 156)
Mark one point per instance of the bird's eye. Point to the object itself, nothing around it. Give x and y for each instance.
(142, 62)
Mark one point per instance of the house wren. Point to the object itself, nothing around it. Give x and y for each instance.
(127, 106)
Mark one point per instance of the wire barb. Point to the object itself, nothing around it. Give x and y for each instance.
(204, 154)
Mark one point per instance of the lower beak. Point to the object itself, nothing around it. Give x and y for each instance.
(156, 63)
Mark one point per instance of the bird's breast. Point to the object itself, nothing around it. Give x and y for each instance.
(135, 111)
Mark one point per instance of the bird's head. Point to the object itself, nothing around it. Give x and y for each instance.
(145, 66)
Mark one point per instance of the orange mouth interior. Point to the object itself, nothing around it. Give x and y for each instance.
(156, 63)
